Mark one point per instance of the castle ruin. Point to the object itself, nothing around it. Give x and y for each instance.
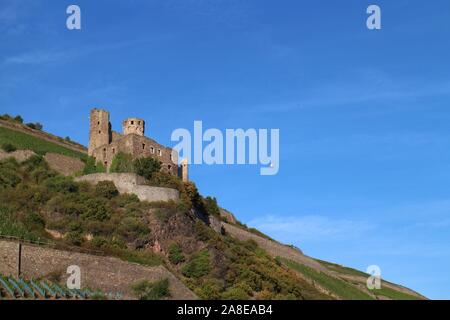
(105, 144)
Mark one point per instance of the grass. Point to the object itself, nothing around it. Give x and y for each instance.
(25, 141)
(341, 269)
(384, 291)
(337, 286)
(393, 294)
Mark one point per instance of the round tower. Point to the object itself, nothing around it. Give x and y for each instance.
(134, 125)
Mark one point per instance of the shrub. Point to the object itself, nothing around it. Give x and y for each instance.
(146, 167)
(74, 238)
(92, 167)
(176, 254)
(164, 179)
(122, 163)
(34, 221)
(210, 289)
(99, 242)
(36, 126)
(122, 200)
(146, 290)
(198, 266)
(132, 228)
(9, 176)
(18, 119)
(235, 293)
(6, 117)
(106, 189)
(8, 147)
(11, 226)
(211, 207)
(96, 210)
(61, 184)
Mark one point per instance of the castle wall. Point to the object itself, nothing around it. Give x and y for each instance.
(137, 146)
(97, 272)
(132, 183)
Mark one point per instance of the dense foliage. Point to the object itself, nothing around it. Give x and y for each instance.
(35, 200)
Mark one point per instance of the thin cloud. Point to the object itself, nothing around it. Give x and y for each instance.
(311, 228)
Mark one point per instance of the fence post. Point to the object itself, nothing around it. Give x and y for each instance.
(19, 261)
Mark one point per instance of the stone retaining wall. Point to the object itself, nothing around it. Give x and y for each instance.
(108, 274)
(132, 183)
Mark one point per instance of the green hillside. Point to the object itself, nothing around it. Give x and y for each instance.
(35, 200)
(25, 141)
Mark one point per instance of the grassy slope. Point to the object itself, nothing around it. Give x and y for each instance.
(338, 286)
(24, 141)
(343, 287)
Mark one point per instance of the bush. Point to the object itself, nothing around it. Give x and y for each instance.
(92, 167)
(146, 167)
(176, 254)
(9, 175)
(96, 210)
(8, 147)
(61, 184)
(18, 119)
(235, 293)
(198, 266)
(74, 238)
(11, 226)
(211, 207)
(106, 189)
(146, 290)
(122, 163)
(36, 126)
(132, 229)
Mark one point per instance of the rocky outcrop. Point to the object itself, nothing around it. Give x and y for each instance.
(227, 215)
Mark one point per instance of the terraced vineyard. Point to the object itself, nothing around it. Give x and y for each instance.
(19, 288)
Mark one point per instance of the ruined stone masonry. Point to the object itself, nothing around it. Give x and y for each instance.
(105, 144)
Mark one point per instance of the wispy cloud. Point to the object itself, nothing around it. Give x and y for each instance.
(13, 13)
(310, 228)
(58, 55)
(360, 88)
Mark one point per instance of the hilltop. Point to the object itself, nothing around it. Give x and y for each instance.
(193, 239)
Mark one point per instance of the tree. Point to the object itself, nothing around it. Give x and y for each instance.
(146, 167)
(122, 163)
(106, 189)
(18, 119)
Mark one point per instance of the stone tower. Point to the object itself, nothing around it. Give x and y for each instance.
(184, 170)
(134, 125)
(99, 130)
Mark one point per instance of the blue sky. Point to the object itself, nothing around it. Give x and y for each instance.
(363, 115)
